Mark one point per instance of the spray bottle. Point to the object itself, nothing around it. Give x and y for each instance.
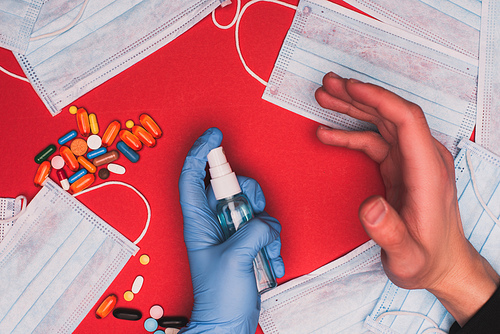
(234, 210)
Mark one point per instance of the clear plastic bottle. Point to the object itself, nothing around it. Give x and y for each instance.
(234, 210)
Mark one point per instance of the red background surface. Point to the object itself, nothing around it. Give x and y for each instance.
(194, 83)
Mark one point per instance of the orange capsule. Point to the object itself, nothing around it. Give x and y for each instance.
(42, 173)
(131, 140)
(145, 137)
(150, 125)
(86, 164)
(69, 158)
(110, 134)
(82, 119)
(106, 306)
(82, 183)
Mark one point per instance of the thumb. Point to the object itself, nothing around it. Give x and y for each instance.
(255, 235)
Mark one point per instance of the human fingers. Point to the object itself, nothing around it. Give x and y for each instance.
(274, 253)
(250, 188)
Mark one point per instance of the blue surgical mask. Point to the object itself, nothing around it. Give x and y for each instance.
(335, 298)
(326, 37)
(452, 23)
(478, 189)
(17, 18)
(111, 36)
(58, 258)
(488, 94)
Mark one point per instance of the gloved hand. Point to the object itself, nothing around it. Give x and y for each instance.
(225, 290)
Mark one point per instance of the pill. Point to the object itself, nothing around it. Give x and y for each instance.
(103, 174)
(96, 153)
(69, 158)
(57, 162)
(63, 179)
(150, 324)
(116, 169)
(137, 285)
(156, 311)
(127, 151)
(106, 158)
(110, 134)
(78, 146)
(94, 126)
(144, 259)
(86, 164)
(94, 142)
(73, 109)
(159, 331)
(172, 330)
(128, 295)
(45, 153)
(131, 140)
(84, 182)
(177, 322)
(127, 314)
(129, 124)
(82, 120)
(145, 137)
(78, 175)
(150, 125)
(106, 306)
(67, 137)
(42, 173)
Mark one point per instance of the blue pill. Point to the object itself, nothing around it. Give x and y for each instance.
(77, 175)
(67, 137)
(150, 324)
(96, 153)
(127, 151)
(159, 332)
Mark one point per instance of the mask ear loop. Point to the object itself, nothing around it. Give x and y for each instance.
(436, 328)
(148, 207)
(23, 208)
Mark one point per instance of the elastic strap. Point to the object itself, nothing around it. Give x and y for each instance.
(23, 208)
(436, 328)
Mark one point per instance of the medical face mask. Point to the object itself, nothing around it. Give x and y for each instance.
(478, 189)
(17, 18)
(325, 37)
(109, 37)
(335, 298)
(488, 99)
(58, 259)
(452, 23)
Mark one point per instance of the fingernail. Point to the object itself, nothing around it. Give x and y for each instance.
(352, 80)
(375, 213)
(323, 127)
(332, 75)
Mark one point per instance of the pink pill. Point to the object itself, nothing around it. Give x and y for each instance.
(156, 312)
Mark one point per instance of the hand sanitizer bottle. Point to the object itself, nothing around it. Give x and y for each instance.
(234, 210)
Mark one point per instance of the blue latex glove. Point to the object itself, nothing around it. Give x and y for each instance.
(225, 290)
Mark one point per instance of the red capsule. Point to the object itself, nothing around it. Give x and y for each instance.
(110, 134)
(69, 158)
(82, 120)
(63, 179)
(131, 140)
(145, 137)
(42, 173)
(150, 125)
(106, 307)
(82, 183)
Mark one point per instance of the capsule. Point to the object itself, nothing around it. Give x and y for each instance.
(106, 307)
(106, 158)
(42, 173)
(69, 158)
(127, 151)
(82, 120)
(150, 125)
(78, 175)
(84, 182)
(94, 126)
(131, 140)
(177, 322)
(91, 168)
(96, 153)
(145, 137)
(45, 153)
(67, 137)
(63, 179)
(116, 169)
(127, 314)
(110, 134)
(137, 285)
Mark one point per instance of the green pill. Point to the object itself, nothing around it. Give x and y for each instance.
(45, 154)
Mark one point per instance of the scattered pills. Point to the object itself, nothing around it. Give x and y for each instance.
(150, 325)
(78, 175)
(42, 173)
(131, 140)
(73, 109)
(128, 295)
(63, 179)
(177, 322)
(137, 285)
(116, 169)
(94, 126)
(82, 183)
(87, 164)
(156, 312)
(129, 153)
(69, 158)
(78, 146)
(45, 153)
(82, 120)
(103, 173)
(145, 137)
(67, 137)
(110, 134)
(150, 125)
(106, 158)
(94, 142)
(106, 307)
(57, 162)
(127, 314)
(129, 124)
(144, 259)
(96, 153)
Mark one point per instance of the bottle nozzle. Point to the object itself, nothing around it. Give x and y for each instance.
(224, 181)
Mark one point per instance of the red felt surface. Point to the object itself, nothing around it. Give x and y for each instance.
(194, 83)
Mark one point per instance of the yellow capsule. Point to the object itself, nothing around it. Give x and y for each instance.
(87, 164)
(94, 126)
